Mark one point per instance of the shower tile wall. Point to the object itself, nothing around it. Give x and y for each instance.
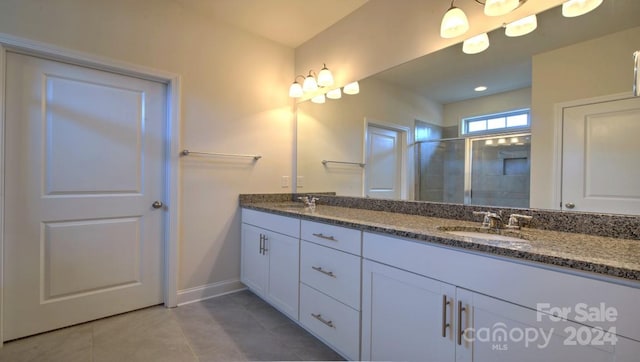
(500, 174)
(442, 171)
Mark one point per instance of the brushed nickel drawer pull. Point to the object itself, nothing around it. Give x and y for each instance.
(322, 236)
(460, 330)
(319, 268)
(445, 325)
(319, 317)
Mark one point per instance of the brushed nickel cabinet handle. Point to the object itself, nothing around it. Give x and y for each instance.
(326, 322)
(264, 245)
(460, 330)
(445, 325)
(322, 236)
(261, 243)
(319, 268)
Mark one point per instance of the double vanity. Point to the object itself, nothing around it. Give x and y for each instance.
(379, 285)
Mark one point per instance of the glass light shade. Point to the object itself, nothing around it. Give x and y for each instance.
(334, 94)
(475, 45)
(454, 23)
(295, 91)
(318, 99)
(309, 84)
(573, 8)
(522, 27)
(500, 7)
(325, 78)
(351, 88)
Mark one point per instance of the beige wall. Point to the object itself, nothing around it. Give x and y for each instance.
(385, 33)
(589, 69)
(495, 103)
(234, 99)
(335, 131)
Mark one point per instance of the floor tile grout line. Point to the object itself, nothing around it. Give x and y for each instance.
(184, 335)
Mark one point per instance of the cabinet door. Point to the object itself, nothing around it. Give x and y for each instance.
(503, 331)
(283, 253)
(404, 316)
(255, 264)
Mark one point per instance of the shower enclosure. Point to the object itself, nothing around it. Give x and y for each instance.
(492, 170)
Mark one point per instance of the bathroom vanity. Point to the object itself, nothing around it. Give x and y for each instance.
(378, 285)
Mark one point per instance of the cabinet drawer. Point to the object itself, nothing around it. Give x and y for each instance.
(336, 237)
(332, 272)
(280, 224)
(335, 323)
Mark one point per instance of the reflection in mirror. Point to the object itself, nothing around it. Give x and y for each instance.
(432, 95)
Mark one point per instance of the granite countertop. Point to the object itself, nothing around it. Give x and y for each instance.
(603, 255)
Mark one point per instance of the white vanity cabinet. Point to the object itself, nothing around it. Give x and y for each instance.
(270, 258)
(330, 266)
(428, 303)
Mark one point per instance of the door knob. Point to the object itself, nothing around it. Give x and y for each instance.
(157, 204)
(570, 205)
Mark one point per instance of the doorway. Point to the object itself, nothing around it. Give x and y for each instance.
(87, 154)
(599, 156)
(385, 160)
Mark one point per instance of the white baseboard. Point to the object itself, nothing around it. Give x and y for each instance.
(207, 291)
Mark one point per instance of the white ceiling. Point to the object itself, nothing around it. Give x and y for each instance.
(288, 22)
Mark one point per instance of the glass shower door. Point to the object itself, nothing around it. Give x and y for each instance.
(499, 171)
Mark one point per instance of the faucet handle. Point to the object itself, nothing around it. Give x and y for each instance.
(486, 221)
(514, 220)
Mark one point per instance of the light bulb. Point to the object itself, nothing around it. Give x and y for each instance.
(295, 91)
(500, 7)
(325, 78)
(573, 8)
(351, 88)
(454, 23)
(522, 27)
(334, 94)
(309, 84)
(318, 99)
(475, 45)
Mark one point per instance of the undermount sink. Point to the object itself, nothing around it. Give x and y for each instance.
(502, 235)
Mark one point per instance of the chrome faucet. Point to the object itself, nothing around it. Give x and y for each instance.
(515, 221)
(494, 220)
(309, 201)
(491, 220)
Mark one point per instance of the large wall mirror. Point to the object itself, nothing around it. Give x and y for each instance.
(421, 130)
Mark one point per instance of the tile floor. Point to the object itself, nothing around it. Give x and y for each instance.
(234, 327)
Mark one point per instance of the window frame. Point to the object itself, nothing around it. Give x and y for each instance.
(486, 117)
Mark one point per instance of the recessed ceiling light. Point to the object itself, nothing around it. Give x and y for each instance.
(480, 88)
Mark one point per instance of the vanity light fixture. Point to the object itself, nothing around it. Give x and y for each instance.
(573, 8)
(334, 94)
(499, 7)
(521, 27)
(319, 99)
(310, 84)
(325, 78)
(351, 88)
(454, 22)
(476, 44)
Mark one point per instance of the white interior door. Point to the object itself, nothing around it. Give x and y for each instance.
(84, 164)
(383, 171)
(600, 148)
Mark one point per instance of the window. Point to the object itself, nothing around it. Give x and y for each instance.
(495, 123)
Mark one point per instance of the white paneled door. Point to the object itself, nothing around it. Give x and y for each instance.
(84, 161)
(600, 150)
(383, 172)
